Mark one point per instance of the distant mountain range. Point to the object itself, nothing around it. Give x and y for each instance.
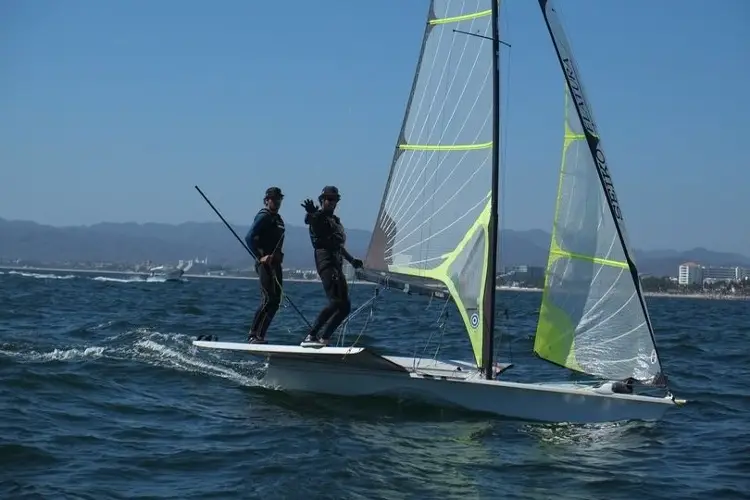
(131, 243)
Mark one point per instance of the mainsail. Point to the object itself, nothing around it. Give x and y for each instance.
(432, 228)
(593, 317)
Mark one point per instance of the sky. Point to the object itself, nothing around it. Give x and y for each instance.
(113, 111)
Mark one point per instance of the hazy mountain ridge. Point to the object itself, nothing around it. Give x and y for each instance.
(158, 242)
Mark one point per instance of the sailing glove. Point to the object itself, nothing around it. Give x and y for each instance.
(309, 206)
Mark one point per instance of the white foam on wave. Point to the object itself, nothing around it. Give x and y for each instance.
(108, 279)
(134, 279)
(42, 276)
(117, 280)
(57, 354)
(166, 356)
(153, 348)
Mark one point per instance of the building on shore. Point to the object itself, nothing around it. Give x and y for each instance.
(691, 273)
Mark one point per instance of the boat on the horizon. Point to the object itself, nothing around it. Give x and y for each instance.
(167, 273)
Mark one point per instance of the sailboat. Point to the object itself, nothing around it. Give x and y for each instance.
(436, 234)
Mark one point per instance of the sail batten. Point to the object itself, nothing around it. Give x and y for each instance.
(593, 318)
(444, 147)
(432, 227)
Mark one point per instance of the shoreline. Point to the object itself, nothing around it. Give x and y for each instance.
(355, 282)
(135, 273)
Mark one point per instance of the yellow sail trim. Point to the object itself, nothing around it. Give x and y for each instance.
(458, 19)
(441, 273)
(444, 147)
(555, 332)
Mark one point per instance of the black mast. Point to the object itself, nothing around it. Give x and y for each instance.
(488, 337)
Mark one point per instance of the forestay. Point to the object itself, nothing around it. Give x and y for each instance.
(432, 226)
(593, 316)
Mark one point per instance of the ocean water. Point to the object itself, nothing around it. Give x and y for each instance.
(103, 396)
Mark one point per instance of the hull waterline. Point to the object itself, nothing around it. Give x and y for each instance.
(355, 372)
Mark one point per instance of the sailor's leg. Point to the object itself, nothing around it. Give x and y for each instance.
(343, 306)
(261, 314)
(327, 277)
(272, 284)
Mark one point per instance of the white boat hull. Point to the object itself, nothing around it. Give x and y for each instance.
(174, 275)
(166, 275)
(358, 371)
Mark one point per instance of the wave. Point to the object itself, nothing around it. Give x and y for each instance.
(142, 345)
(108, 279)
(43, 276)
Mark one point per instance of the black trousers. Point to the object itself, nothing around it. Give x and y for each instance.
(339, 305)
(270, 298)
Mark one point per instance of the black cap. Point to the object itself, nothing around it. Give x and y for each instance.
(331, 191)
(274, 192)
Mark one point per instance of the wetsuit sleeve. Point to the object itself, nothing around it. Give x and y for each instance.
(315, 220)
(253, 235)
(347, 255)
(310, 218)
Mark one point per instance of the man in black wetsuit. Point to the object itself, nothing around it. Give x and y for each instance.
(328, 237)
(266, 240)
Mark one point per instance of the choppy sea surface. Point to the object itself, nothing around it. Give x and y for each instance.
(103, 396)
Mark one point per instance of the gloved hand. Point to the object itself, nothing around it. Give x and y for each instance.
(309, 206)
(357, 264)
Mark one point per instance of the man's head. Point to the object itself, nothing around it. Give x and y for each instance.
(328, 198)
(273, 198)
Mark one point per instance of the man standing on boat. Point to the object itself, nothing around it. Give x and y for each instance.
(328, 237)
(265, 239)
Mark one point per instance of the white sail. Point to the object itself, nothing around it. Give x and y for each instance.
(433, 221)
(593, 316)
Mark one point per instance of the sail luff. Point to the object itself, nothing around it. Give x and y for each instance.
(376, 257)
(648, 371)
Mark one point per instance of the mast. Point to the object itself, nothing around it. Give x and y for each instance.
(488, 331)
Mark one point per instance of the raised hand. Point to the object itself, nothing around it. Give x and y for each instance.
(357, 264)
(309, 206)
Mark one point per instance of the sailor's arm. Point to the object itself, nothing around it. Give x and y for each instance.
(356, 263)
(253, 235)
(311, 211)
(347, 255)
(317, 221)
(310, 217)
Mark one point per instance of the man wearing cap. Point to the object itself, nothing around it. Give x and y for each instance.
(328, 238)
(265, 239)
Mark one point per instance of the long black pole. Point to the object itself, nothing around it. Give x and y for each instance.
(250, 252)
(488, 333)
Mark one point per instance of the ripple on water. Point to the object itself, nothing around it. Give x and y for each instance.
(105, 397)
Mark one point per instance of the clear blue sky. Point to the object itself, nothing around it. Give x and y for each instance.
(113, 110)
